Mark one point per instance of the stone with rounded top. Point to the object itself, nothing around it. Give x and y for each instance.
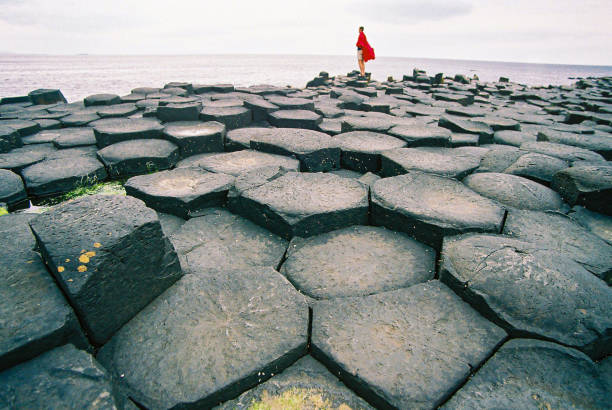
(232, 117)
(588, 185)
(113, 130)
(195, 137)
(136, 157)
(235, 163)
(360, 150)
(448, 162)
(102, 99)
(12, 190)
(240, 138)
(422, 136)
(306, 119)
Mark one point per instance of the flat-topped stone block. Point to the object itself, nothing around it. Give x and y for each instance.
(194, 137)
(231, 117)
(102, 99)
(306, 384)
(360, 150)
(429, 207)
(183, 192)
(54, 176)
(12, 190)
(305, 204)
(219, 240)
(589, 186)
(514, 138)
(514, 191)
(530, 290)
(109, 256)
(422, 135)
(554, 230)
(20, 158)
(209, 338)
(74, 137)
(23, 127)
(290, 103)
(136, 157)
(62, 378)
(599, 224)
(564, 152)
(113, 130)
(295, 119)
(119, 110)
(79, 119)
(240, 138)
(599, 143)
(35, 314)
(526, 373)
(468, 126)
(448, 162)
(179, 112)
(538, 167)
(316, 151)
(357, 261)
(235, 163)
(367, 123)
(499, 158)
(45, 96)
(408, 348)
(9, 138)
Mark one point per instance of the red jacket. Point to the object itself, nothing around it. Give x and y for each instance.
(368, 51)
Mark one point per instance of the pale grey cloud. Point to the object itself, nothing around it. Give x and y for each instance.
(410, 11)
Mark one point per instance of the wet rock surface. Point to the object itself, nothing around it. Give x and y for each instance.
(183, 192)
(357, 261)
(530, 290)
(302, 204)
(429, 207)
(409, 348)
(109, 256)
(62, 378)
(209, 338)
(534, 374)
(220, 240)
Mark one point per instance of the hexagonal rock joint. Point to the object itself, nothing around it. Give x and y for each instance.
(109, 255)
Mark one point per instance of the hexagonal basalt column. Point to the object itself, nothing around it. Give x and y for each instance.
(528, 373)
(590, 186)
(447, 162)
(232, 117)
(182, 192)
(429, 207)
(12, 190)
(301, 204)
(360, 150)
(35, 314)
(409, 348)
(306, 383)
(235, 163)
(109, 256)
(135, 157)
(295, 119)
(357, 261)
(113, 130)
(194, 137)
(60, 379)
(220, 240)
(209, 338)
(315, 150)
(530, 290)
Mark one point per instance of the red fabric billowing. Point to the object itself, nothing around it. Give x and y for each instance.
(367, 50)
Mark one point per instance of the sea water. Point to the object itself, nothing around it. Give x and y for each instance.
(78, 76)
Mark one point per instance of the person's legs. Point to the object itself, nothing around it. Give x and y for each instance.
(360, 62)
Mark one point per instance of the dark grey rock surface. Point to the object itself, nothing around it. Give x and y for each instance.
(290, 103)
(119, 110)
(530, 290)
(209, 338)
(409, 348)
(23, 127)
(79, 119)
(589, 186)
(136, 157)
(564, 152)
(74, 137)
(295, 119)
(234, 163)
(179, 112)
(601, 144)
(220, 240)
(102, 99)
(429, 207)
(315, 150)
(499, 158)
(307, 383)
(360, 150)
(12, 190)
(9, 138)
(44, 96)
(183, 192)
(538, 167)
(422, 136)
(60, 379)
(553, 230)
(110, 257)
(457, 124)
(113, 130)
(34, 315)
(447, 162)
(514, 191)
(534, 374)
(599, 224)
(357, 261)
(231, 117)
(54, 176)
(240, 138)
(196, 137)
(305, 204)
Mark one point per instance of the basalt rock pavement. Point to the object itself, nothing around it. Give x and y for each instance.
(417, 243)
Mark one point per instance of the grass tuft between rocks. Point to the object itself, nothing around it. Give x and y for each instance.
(84, 189)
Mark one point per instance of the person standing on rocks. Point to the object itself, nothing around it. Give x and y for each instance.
(364, 51)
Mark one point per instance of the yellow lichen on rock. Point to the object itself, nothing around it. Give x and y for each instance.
(82, 268)
(294, 399)
(90, 254)
(84, 258)
(60, 269)
(97, 244)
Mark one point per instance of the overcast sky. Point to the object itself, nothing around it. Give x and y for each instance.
(538, 31)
